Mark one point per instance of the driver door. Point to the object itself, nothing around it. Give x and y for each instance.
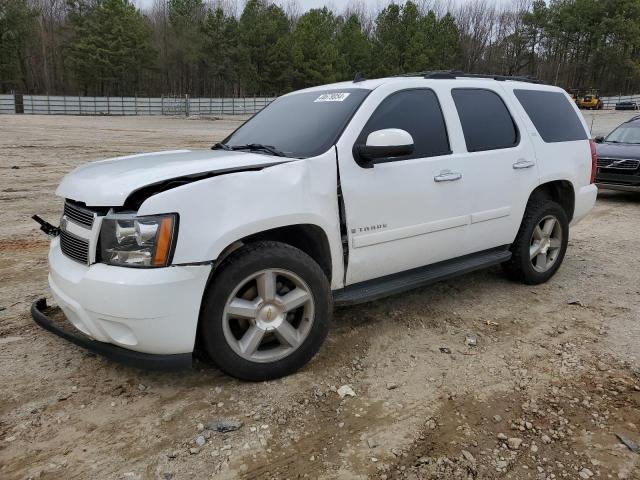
(403, 212)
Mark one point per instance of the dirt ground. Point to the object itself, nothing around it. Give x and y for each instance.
(554, 377)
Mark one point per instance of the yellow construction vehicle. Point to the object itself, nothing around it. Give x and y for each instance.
(590, 101)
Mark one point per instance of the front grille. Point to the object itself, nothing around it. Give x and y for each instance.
(618, 164)
(74, 247)
(79, 214)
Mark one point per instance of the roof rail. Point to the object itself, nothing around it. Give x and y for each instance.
(358, 77)
(635, 117)
(452, 74)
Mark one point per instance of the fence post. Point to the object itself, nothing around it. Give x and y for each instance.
(18, 103)
(108, 106)
(122, 105)
(135, 104)
(162, 105)
(186, 105)
(48, 105)
(79, 104)
(254, 104)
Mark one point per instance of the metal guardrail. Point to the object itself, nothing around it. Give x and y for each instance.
(165, 105)
(7, 104)
(79, 105)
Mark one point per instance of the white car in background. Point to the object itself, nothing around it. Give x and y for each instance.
(332, 195)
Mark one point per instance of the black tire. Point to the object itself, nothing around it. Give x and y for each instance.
(520, 266)
(244, 262)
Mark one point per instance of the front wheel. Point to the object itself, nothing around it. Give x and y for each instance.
(267, 311)
(541, 243)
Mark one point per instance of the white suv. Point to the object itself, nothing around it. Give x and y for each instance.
(332, 195)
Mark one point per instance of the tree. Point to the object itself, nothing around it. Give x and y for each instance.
(354, 48)
(16, 21)
(261, 29)
(315, 48)
(186, 18)
(204, 47)
(220, 51)
(389, 40)
(109, 46)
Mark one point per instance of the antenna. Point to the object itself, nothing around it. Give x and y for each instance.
(359, 77)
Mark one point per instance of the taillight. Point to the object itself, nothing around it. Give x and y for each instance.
(592, 145)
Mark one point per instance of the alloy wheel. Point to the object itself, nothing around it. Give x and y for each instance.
(268, 315)
(546, 243)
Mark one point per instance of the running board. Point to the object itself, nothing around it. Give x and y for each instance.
(418, 277)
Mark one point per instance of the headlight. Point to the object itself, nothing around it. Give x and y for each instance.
(132, 241)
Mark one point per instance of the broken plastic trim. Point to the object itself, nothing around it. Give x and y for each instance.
(137, 197)
(46, 227)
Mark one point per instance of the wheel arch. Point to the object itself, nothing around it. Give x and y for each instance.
(561, 192)
(309, 238)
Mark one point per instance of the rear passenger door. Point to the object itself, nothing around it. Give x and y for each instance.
(500, 166)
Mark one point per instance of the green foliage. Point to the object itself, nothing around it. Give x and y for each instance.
(200, 48)
(354, 48)
(109, 45)
(16, 19)
(406, 41)
(220, 49)
(315, 48)
(262, 35)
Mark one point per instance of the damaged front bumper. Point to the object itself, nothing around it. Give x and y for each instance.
(147, 361)
(145, 318)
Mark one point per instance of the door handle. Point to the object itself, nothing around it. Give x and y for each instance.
(447, 176)
(522, 163)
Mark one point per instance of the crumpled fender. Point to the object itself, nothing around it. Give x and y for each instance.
(215, 212)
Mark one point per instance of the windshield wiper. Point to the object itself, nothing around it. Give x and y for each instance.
(259, 147)
(250, 146)
(221, 146)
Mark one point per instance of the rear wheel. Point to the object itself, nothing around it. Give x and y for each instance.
(541, 243)
(267, 311)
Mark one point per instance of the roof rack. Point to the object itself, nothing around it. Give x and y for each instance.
(453, 74)
(359, 77)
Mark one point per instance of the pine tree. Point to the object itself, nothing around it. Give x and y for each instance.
(109, 47)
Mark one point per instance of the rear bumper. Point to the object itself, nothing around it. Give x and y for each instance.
(147, 361)
(585, 200)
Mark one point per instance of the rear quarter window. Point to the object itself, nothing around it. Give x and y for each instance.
(552, 115)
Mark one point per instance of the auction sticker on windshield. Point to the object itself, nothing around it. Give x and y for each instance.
(332, 97)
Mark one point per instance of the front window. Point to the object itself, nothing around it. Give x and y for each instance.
(300, 125)
(625, 134)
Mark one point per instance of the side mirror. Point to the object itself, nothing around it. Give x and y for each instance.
(386, 143)
(599, 139)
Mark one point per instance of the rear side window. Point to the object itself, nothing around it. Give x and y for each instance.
(418, 112)
(486, 122)
(552, 115)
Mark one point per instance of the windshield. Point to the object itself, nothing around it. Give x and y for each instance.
(625, 134)
(301, 125)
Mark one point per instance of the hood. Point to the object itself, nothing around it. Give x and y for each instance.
(618, 150)
(108, 183)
